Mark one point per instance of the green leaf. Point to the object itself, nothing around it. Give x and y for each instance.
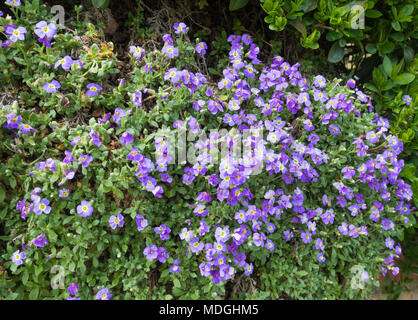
(237, 4)
(371, 48)
(99, 3)
(404, 78)
(20, 61)
(408, 54)
(372, 13)
(387, 66)
(405, 13)
(2, 193)
(12, 296)
(177, 283)
(396, 25)
(386, 47)
(336, 53)
(34, 293)
(333, 36)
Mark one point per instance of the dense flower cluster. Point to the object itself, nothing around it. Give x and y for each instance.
(289, 126)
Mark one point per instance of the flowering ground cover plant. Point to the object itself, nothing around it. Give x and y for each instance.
(266, 184)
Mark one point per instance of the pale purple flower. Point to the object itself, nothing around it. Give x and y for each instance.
(65, 63)
(151, 252)
(84, 209)
(51, 87)
(103, 294)
(170, 51)
(126, 138)
(407, 99)
(93, 89)
(137, 52)
(14, 3)
(45, 30)
(175, 267)
(201, 47)
(141, 222)
(42, 207)
(116, 221)
(180, 27)
(85, 160)
(64, 193)
(17, 257)
(18, 34)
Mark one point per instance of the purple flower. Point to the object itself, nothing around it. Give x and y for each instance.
(395, 271)
(287, 235)
(137, 52)
(13, 121)
(103, 294)
(166, 178)
(195, 245)
(203, 228)
(351, 83)
(365, 276)
(148, 68)
(348, 172)
(328, 216)
(186, 234)
(201, 48)
(14, 3)
(248, 269)
(319, 244)
(118, 115)
(95, 138)
(73, 288)
(175, 267)
(170, 51)
(407, 99)
(353, 231)
(321, 257)
(42, 207)
(164, 231)
(116, 221)
(137, 98)
(17, 257)
(85, 160)
(334, 130)
(306, 237)
(361, 96)
(84, 209)
(18, 34)
(180, 27)
(40, 241)
(269, 245)
(372, 137)
(126, 138)
(167, 39)
(389, 243)
(151, 252)
(51, 87)
(45, 30)
(26, 128)
(343, 229)
(141, 222)
(65, 63)
(93, 89)
(222, 234)
(387, 224)
(162, 254)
